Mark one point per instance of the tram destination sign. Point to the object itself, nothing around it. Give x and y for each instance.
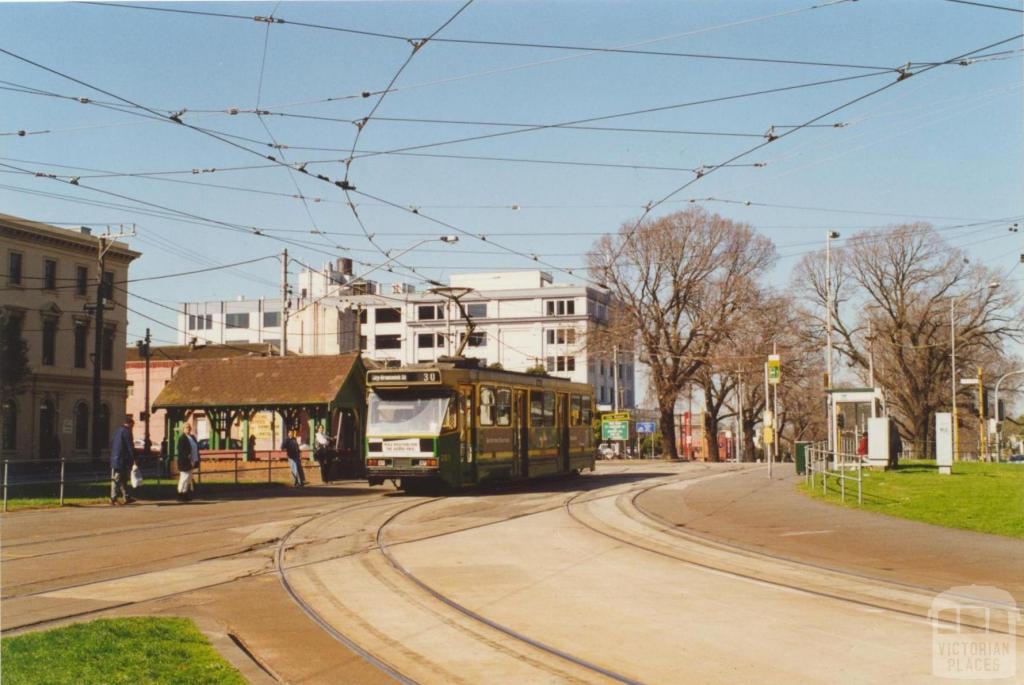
(403, 377)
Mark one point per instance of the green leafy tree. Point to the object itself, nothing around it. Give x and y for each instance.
(537, 370)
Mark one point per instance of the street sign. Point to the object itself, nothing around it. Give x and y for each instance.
(645, 426)
(774, 368)
(614, 430)
(968, 381)
(768, 436)
(616, 416)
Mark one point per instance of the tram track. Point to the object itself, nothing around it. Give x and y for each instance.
(661, 525)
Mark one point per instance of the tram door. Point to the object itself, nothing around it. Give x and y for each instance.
(562, 421)
(467, 432)
(520, 434)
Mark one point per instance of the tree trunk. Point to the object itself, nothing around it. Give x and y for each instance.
(667, 423)
(748, 436)
(711, 436)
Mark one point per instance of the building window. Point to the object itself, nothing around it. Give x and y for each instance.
(585, 414)
(81, 426)
(362, 316)
(430, 312)
(425, 340)
(236, 320)
(10, 430)
(191, 322)
(561, 336)
(477, 311)
(271, 319)
(362, 341)
(108, 349)
(81, 280)
(14, 268)
(561, 307)
(49, 342)
(478, 339)
(81, 343)
(50, 274)
(387, 342)
(561, 363)
(388, 315)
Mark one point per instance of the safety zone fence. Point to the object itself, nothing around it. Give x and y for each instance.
(841, 466)
(56, 478)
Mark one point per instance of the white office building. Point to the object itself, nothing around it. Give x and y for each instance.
(522, 319)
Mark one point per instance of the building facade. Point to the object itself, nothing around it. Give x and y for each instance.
(522, 320)
(50, 275)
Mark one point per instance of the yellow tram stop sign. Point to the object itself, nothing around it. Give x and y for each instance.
(774, 369)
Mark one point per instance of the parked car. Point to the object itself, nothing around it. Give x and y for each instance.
(606, 451)
(1017, 459)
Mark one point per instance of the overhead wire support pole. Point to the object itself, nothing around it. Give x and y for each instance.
(768, 428)
(998, 417)
(284, 303)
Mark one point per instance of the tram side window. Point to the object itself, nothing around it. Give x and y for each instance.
(574, 410)
(585, 410)
(536, 408)
(549, 409)
(487, 408)
(504, 407)
(451, 416)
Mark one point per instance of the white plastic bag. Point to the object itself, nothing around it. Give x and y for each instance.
(136, 476)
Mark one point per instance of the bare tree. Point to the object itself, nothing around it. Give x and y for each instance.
(680, 282)
(891, 311)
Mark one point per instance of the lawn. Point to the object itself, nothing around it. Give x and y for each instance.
(124, 650)
(977, 496)
(98, 492)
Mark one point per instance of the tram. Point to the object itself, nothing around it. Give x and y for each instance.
(453, 423)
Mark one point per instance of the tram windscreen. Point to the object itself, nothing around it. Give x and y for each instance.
(404, 415)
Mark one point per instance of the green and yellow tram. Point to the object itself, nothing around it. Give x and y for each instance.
(456, 424)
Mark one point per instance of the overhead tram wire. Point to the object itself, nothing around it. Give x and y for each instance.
(988, 6)
(652, 205)
(509, 44)
(345, 184)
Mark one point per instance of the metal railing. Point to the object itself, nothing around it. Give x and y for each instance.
(842, 466)
(224, 467)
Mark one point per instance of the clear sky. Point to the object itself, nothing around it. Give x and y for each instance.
(943, 146)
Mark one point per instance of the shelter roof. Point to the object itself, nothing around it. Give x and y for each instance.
(260, 381)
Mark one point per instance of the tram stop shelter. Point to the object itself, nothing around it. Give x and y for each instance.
(305, 391)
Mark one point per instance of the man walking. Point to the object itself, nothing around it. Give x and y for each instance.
(188, 459)
(291, 447)
(122, 457)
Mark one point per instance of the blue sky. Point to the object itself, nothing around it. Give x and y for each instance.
(943, 146)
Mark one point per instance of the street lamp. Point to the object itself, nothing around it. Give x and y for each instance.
(952, 357)
(829, 237)
(999, 433)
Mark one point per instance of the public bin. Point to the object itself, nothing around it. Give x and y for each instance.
(801, 457)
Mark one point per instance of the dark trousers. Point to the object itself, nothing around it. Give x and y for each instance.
(325, 470)
(119, 481)
(298, 476)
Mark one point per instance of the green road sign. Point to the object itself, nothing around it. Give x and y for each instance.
(615, 430)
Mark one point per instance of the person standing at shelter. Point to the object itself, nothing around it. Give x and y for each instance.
(322, 454)
(122, 457)
(291, 447)
(188, 459)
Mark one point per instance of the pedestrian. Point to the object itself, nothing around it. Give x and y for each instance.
(122, 458)
(188, 459)
(251, 446)
(862, 446)
(291, 447)
(322, 455)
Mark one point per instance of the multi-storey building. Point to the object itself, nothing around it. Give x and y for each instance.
(50, 275)
(522, 320)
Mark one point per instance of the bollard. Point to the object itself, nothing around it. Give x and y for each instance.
(62, 481)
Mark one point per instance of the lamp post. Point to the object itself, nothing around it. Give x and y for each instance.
(832, 437)
(952, 357)
(999, 433)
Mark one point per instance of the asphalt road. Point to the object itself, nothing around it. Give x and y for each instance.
(609, 577)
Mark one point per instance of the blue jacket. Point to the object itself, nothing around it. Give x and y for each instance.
(291, 447)
(122, 453)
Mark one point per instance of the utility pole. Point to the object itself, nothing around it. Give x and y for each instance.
(768, 428)
(739, 424)
(833, 439)
(145, 353)
(104, 290)
(982, 442)
(615, 378)
(284, 303)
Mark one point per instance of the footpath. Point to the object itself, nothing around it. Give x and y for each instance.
(773, 517)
